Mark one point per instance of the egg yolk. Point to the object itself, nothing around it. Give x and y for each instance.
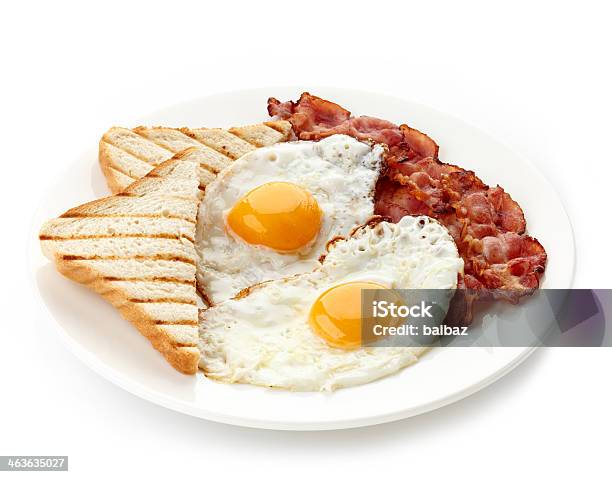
(278, 215)
(336, 315)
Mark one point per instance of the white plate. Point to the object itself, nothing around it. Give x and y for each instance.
(109, 345)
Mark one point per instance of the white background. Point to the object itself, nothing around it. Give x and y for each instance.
(534, 75)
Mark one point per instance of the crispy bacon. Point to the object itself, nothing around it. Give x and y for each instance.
(314, 118)
(488, 226)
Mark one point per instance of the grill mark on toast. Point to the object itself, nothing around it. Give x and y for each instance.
(164, 300)
(150, 279)
(177, 322)
(161, 256)
(136, 156)
(170, 340)
(155, 173)
(140, 129)
(102, 236)
(126, 193)
(190, 135)
(125, 173)
(242, 139)
(209, 168)
(202, 188)
(220, 150)
(75, 215)
(252, 143)
(113, 216)
(180, 156)
(224, 153)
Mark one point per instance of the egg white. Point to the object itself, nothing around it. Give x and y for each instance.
(340, 173)
(264, 337)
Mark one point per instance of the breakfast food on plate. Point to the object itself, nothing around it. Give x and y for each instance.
(281, 236)
(126, 155)
(488, 226)
(303, 332)
(270, 213)
(136, 250)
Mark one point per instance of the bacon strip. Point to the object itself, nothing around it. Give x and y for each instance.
(314, 118)
(488, 226)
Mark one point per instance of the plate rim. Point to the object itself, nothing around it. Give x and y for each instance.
(135, 388)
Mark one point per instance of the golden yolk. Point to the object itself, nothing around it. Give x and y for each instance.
(278, 215)
(336, 315)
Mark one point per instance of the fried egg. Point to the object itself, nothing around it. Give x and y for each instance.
(303, 332)
(270, 213)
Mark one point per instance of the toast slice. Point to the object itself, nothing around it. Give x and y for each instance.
(136, 249)
(126, 155)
